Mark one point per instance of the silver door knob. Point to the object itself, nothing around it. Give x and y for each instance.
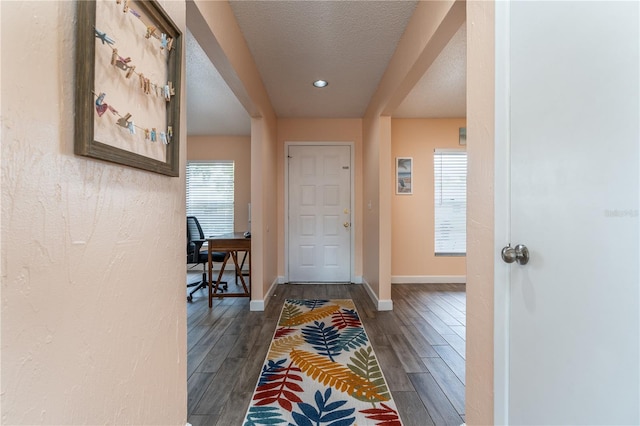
(519, 253)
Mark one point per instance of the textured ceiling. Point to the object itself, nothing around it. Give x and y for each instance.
(212, 108)
(348, 43)
(442, 91)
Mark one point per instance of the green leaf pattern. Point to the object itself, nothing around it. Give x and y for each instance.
(365, 365)
(338, 339)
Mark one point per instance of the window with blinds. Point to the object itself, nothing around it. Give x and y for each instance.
(210, 195)
(450, 184)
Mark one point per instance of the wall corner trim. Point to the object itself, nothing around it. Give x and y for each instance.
(259, 305)
(385, 305)
(381, 305)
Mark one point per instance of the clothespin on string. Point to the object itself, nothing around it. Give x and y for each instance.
(101, 107)
(169, 91)
(151, 31)
(122, 63)
(130, 71)
(100, 98)
(104, 38)
(124, 121)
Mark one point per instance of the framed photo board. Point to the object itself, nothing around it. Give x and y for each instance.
(128, 63)
(404, 175)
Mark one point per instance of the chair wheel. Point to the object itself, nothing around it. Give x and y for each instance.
(189, 298)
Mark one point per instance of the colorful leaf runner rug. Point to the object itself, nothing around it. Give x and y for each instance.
(321, 370)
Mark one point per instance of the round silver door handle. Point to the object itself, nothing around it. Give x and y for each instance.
(519, 253)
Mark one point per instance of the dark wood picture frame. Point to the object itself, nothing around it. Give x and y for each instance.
(85, 143)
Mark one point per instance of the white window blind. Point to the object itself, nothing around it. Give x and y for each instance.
(210, 195)
(450, 179)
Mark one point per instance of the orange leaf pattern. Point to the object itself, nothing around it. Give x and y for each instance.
(321, 365)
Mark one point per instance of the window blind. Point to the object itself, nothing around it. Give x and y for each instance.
(450, 184)
(210, 186)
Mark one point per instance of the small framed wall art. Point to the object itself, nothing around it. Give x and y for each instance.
(404, 175)
(128, 63)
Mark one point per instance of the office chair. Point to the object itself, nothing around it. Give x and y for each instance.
(195, 240)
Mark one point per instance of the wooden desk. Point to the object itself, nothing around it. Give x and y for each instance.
(231, 243)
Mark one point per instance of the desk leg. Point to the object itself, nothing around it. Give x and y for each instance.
(244, 259)
(210, 268)
(217, 286)
(236, 274)
(234, 255)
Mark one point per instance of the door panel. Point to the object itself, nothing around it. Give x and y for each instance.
(319, 194)
(574, 121)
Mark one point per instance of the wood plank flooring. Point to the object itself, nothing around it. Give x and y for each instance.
(420, 346)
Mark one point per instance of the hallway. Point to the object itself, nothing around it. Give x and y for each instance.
(420, 346)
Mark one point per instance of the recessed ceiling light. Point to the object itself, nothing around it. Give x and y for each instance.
(320, 84)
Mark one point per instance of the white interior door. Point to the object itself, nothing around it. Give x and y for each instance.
(319, 213)
(573, 321)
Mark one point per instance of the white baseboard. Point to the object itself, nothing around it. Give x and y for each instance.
(381, 305)
(256, 305)
(283, 280)
(428, 279)
(259, 305)
(385, 305)
(271, 290)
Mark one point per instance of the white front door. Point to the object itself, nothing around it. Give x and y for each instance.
(319, 194)
(572, 313)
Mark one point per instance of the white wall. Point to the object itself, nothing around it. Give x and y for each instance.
(93, 270)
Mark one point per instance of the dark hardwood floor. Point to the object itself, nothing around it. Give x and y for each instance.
(420, 346)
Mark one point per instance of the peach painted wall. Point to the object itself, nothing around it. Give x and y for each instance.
(215, 22)
(237, 149)
(264, 224)
(412, 252)
(432, 24)
(93, 287)
(371, 214)
(385, 191)
(480, 214)
(322, 130)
